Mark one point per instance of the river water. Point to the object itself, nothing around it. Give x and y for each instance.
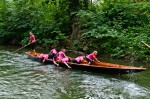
(23, 78)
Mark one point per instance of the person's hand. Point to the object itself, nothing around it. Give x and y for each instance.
(98, 61)
(57, 64)
(69, 67)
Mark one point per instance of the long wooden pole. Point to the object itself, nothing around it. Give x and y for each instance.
(22, 47)
(145, 44)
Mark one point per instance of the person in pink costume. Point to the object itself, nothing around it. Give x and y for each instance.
(43, 57)
(92, 57)
(52, 53)
(78, 59)
(65, 61)
(32, 42)
(61, 54)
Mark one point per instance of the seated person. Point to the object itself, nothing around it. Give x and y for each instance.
(46, 57)
(43, 57)
(55, 60)
(91, 57)
(61, 54)
(78, 59)
(52, 53)
(65, 60)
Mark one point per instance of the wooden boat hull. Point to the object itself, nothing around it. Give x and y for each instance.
(103, 69)
(100, 67)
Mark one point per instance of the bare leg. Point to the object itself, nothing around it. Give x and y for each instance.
(44, 60)
(89, 63)
(67, 65)
(55, 63)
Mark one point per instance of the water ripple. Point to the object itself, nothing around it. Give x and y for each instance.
(22, 78)
(112, 89)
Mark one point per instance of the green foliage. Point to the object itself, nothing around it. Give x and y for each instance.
(40, 17)
(97, 32)
(116, 28)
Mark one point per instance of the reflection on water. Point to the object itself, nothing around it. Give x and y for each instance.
(21, 77)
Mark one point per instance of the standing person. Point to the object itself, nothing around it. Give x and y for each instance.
(91, 57)
(32, 42)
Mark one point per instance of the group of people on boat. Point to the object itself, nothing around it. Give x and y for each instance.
(61, 57)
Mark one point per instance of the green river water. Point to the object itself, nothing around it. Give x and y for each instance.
(23, 78)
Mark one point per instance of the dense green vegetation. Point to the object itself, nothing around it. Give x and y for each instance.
(115, 28)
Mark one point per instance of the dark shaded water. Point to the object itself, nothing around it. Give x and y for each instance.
(22, 78)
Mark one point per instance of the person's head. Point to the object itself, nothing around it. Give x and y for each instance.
(63, 50)
(30, 33)
(95, 52)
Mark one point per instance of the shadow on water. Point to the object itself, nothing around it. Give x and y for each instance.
(21, 77)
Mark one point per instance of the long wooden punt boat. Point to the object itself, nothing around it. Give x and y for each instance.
(101, 67)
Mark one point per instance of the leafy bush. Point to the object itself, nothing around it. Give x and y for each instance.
(116, 29)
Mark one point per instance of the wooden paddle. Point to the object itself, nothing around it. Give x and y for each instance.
(22, 47)
(145, 44)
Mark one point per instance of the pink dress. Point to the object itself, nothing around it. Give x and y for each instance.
(66, 59)
(54, 51)
(61, 55)
(79, 59)
(91, 56)
(42, 56)
(45, 56)
(32, 38)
